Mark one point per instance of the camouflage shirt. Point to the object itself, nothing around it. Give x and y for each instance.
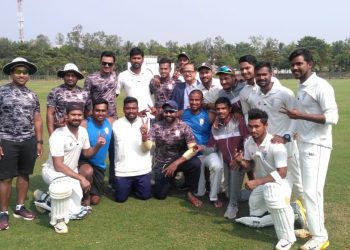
(100, 85)
(171, 141)
(17, 108)
(163, 92)
(61, 95)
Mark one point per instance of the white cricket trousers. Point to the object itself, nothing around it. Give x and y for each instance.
(294, 171)
(314, 161)
(214, 163)
(49, 174)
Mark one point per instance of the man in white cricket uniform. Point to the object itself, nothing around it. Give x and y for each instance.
(271, 98)
(315, 113)
(270, 191)
(66, 144)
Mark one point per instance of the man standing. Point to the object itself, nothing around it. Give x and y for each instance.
(20, 137)
(133, 163)
(229, 136)
(315, 113)
(103, 84)
(59, 97)
(97, 126)
(270, 191)
(230, 88)
(271, 98)
(182, 90)
(182, 60)
(162, 91)
(208, 83)
(246, 66)
(135, 81)
(61, 169)
(175, 151)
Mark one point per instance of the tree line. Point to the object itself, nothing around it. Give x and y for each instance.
(84, 49)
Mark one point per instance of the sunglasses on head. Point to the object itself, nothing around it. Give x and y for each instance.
(224, 69)
(107, 64)
(21, 71)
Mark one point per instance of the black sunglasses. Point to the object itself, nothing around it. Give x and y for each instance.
(107, 64)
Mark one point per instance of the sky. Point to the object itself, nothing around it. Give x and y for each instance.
(182, 21)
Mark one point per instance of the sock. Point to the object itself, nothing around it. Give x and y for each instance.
(4, 212)
(19, 206)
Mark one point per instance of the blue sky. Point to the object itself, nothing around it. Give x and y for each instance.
(181, 20)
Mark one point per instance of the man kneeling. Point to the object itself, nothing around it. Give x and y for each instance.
(66, 185)
(270, 191)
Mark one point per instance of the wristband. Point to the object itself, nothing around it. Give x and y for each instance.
(40, 141)
(276, 176)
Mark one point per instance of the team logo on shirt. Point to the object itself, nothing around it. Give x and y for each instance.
(177, 133)
(201, 121)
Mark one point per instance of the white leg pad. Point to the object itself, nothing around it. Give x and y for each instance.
(283, 220)
(60, 192)
(256, 222)
(277, 199)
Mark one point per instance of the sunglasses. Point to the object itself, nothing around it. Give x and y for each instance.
(225, 69)
(171, 111)
(20, 71)
(107, 64)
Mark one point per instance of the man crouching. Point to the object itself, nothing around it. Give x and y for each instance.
(66, 185)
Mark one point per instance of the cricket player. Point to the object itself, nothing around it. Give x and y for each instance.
(270, 190)
(316, 112)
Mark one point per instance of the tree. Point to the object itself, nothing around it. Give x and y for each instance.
(320, 51)
(74, 38)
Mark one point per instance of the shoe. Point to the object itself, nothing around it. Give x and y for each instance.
(283, 244)
(299, 214)
(88, 209)
(231, 212)
(315, 245)
(61, 227)
(42, 201)
(302, 233)
(24, 214)
(4, 221)
(81, 215)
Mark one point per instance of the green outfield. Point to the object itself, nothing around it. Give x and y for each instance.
(174, 223)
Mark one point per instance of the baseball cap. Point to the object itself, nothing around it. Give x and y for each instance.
(205, 65)
(225, 70)
(172, 104)
(183, 54)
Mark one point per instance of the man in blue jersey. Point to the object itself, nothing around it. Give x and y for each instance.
(93, 169)
(200, 121)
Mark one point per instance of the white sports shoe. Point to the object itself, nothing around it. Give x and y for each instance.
(315, 245)
(61, 227)
(284, 244)
(231, 212)
(42, 201)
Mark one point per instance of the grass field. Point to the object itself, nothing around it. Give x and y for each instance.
(173, 223)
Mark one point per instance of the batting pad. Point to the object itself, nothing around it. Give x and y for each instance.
(276, 195)
(60, 191)
(283, 220)
(256, 222)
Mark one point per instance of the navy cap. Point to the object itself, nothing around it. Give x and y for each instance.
(172, 104)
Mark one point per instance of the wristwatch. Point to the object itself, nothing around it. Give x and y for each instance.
(40, 141)
(287, 138)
